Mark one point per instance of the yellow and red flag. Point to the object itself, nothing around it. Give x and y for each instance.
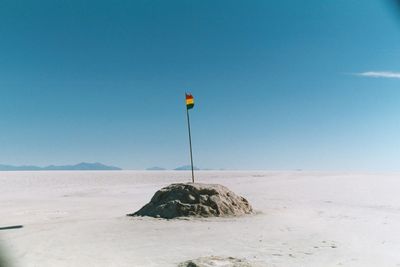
(189, 101)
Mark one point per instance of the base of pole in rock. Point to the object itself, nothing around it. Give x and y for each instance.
(196, 200)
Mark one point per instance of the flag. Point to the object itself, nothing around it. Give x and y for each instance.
(189, 101)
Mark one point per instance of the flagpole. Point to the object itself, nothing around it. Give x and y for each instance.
(190, 143)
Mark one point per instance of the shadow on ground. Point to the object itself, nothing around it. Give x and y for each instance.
(4, 259)
(11, 227)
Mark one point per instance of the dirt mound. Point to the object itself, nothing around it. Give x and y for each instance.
(194, 199)
(216, 261)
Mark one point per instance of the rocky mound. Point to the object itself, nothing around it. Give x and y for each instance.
(194, 199)
(216, 261)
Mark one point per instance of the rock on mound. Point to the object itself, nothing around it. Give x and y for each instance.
(194, 199)
(215, 261)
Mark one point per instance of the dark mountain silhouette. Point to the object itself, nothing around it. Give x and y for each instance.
(84, 166)
(156, 168)
(186, 168)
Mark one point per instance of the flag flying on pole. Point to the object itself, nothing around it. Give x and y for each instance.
(189, 101)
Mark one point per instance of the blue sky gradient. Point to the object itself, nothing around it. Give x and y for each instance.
(277, 84)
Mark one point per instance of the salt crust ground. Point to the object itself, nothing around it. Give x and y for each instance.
(304, 219)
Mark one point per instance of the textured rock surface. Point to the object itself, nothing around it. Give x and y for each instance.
(216, 261)
(194, 199)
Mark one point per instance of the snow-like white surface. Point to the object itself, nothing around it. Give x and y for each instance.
(303, 219)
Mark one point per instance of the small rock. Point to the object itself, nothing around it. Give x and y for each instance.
(216, 261)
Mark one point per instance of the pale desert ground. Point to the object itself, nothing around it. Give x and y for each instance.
(303, 219)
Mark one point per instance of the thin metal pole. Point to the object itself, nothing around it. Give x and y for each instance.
(190, 143)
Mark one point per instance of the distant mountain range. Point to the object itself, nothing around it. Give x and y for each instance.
(155, 169)
(181, 168)
(84, 166)
(186, 168)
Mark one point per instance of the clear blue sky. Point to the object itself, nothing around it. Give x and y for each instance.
(278, 84)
